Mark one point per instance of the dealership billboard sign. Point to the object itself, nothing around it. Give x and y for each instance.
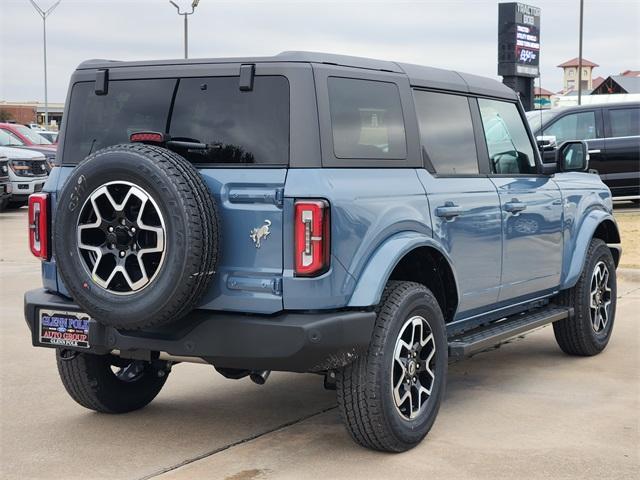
(518, 40)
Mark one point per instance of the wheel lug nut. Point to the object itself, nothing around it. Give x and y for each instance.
(123, 222)
(415, 379)
(122, 253)
(110, 229)
(113, 245)
(133, 229)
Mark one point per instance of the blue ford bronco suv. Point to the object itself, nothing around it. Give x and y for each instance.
(365, 220)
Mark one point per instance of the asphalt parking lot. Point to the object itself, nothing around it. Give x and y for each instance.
(525, 410)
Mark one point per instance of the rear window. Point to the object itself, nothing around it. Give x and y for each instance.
(250, 127)
(240, 127)
(366, 119)
(98, 121)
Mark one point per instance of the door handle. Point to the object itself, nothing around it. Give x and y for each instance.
(448, 210)
(594, 151)
(514, 206)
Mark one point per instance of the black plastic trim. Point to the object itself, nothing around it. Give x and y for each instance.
(290, 341)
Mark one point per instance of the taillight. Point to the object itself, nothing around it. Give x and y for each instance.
(39, 225)
(311, 237)
(147, 137)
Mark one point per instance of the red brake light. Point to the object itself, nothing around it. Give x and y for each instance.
(311, 237)
(147, 137)
(39, 225)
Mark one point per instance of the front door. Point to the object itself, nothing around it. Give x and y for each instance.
(531, 205)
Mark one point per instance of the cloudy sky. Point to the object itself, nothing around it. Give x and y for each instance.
(460, 35)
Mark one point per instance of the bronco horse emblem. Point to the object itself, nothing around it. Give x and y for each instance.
(260, 233)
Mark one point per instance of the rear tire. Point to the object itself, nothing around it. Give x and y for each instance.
(91, 382)
(593, 300)
(368, 389)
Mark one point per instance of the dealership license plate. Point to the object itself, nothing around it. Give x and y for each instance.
(64, 329)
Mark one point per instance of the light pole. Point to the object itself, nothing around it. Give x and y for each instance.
(186, 14)
(580, 55)
(44, 14)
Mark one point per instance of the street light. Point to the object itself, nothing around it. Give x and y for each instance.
(44, 14)
(580, 54)
(186, 14)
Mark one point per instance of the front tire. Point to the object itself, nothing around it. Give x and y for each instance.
(110, 384)
(389, 398)
(593, 299)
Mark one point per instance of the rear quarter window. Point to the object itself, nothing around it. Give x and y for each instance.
(366, 119)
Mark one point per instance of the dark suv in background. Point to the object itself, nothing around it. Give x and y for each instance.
(612, 132)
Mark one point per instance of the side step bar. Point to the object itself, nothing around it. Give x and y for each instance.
(495, 333)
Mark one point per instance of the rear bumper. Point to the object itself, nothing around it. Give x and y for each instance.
(294, 342)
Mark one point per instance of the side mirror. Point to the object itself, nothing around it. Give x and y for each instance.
(546, 142)
(572, 156)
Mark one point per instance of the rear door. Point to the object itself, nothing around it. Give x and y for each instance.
(622, 145)
(464, 204)
(245, 169)
(245, 127)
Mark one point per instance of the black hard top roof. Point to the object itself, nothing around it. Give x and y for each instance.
(419, 76)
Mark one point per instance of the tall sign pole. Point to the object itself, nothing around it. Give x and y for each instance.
(580, 56)
(519, 48)
(44, 14)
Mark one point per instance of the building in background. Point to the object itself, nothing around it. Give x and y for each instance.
(570, 75)
(542, 98)
(618, 84)
(24, 113)
(31, 112)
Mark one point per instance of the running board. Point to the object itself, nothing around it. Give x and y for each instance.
(495, 333)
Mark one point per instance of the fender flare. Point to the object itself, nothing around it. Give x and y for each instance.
(579, 246)
(373, 278)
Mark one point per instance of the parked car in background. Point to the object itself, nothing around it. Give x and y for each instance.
(51, 136)
(15, 138)
(28, 170)
(612, 132)
(34, 126)
(5, 183)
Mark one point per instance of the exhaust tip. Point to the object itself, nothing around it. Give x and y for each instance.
(259, 376)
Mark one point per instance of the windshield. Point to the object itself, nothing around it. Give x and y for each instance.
(9, 140)
(33, 136)
(537, 118)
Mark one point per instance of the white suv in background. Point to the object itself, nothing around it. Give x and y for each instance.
(27, 173)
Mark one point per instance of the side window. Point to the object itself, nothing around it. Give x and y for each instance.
(240, 127)
(575, 126)
(366, 119)
(625, 122)
(509, 147)
(446, 132)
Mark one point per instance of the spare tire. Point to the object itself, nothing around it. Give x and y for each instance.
(135, 236)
